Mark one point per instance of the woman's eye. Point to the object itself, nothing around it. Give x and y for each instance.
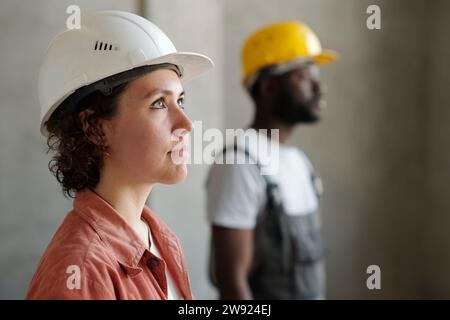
(181, 102)
(158, 104)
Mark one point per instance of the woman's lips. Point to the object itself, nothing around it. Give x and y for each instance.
(179, 150)
(178, 154)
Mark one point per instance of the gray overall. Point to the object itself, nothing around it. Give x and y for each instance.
(289, 250)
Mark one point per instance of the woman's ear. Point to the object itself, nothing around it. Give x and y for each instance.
(106, 128)
(93, 130)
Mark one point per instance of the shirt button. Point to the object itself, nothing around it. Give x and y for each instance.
(152, 263)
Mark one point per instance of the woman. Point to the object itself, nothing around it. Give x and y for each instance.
(112, 109)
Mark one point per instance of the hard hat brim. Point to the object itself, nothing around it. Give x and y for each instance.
(326, 56)
(190, 64)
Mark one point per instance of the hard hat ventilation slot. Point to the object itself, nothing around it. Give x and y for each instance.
(103, 46)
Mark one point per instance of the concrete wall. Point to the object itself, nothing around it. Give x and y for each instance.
(381, 149)
(31, 203)
(193, 26)
(437, 280)
(371, 147)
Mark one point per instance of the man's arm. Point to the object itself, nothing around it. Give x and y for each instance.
(232, 254)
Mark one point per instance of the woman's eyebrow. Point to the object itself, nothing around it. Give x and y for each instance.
(158, 91)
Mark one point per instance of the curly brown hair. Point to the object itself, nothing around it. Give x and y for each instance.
(79, 143)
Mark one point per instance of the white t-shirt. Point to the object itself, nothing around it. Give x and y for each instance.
(172, 290)
(236, 193)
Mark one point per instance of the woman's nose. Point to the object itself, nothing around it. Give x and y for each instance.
(182, 121)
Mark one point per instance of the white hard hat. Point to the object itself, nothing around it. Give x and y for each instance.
(109, 43)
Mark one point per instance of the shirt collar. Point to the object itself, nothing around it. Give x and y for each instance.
(115, 231)
(124, 242)
(111, 227)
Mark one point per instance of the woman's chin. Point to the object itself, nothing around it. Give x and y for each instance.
(177, 175)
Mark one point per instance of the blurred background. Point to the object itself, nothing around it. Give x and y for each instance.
(382, 149)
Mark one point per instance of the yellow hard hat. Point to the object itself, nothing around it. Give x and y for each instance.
(281, 43)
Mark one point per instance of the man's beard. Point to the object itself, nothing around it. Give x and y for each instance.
(292, 112)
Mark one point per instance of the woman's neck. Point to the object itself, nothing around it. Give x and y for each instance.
(127, 198)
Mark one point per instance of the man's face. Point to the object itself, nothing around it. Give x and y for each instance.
(299, 95)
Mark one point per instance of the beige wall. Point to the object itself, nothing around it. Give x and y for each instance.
(31, 203)
(193, 26)
(371, 148)
(381, 149)
(437, 216)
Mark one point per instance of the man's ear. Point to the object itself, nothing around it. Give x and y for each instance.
(267, 88)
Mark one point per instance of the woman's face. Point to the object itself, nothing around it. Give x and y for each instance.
(147, 137)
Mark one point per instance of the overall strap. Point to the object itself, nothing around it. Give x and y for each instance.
(274, 206)
(270, 184)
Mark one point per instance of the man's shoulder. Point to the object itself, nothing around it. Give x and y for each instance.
(237, 172)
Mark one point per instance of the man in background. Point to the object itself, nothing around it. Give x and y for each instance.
(266, 237)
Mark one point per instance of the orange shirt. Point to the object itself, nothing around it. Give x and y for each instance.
(95, 254)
